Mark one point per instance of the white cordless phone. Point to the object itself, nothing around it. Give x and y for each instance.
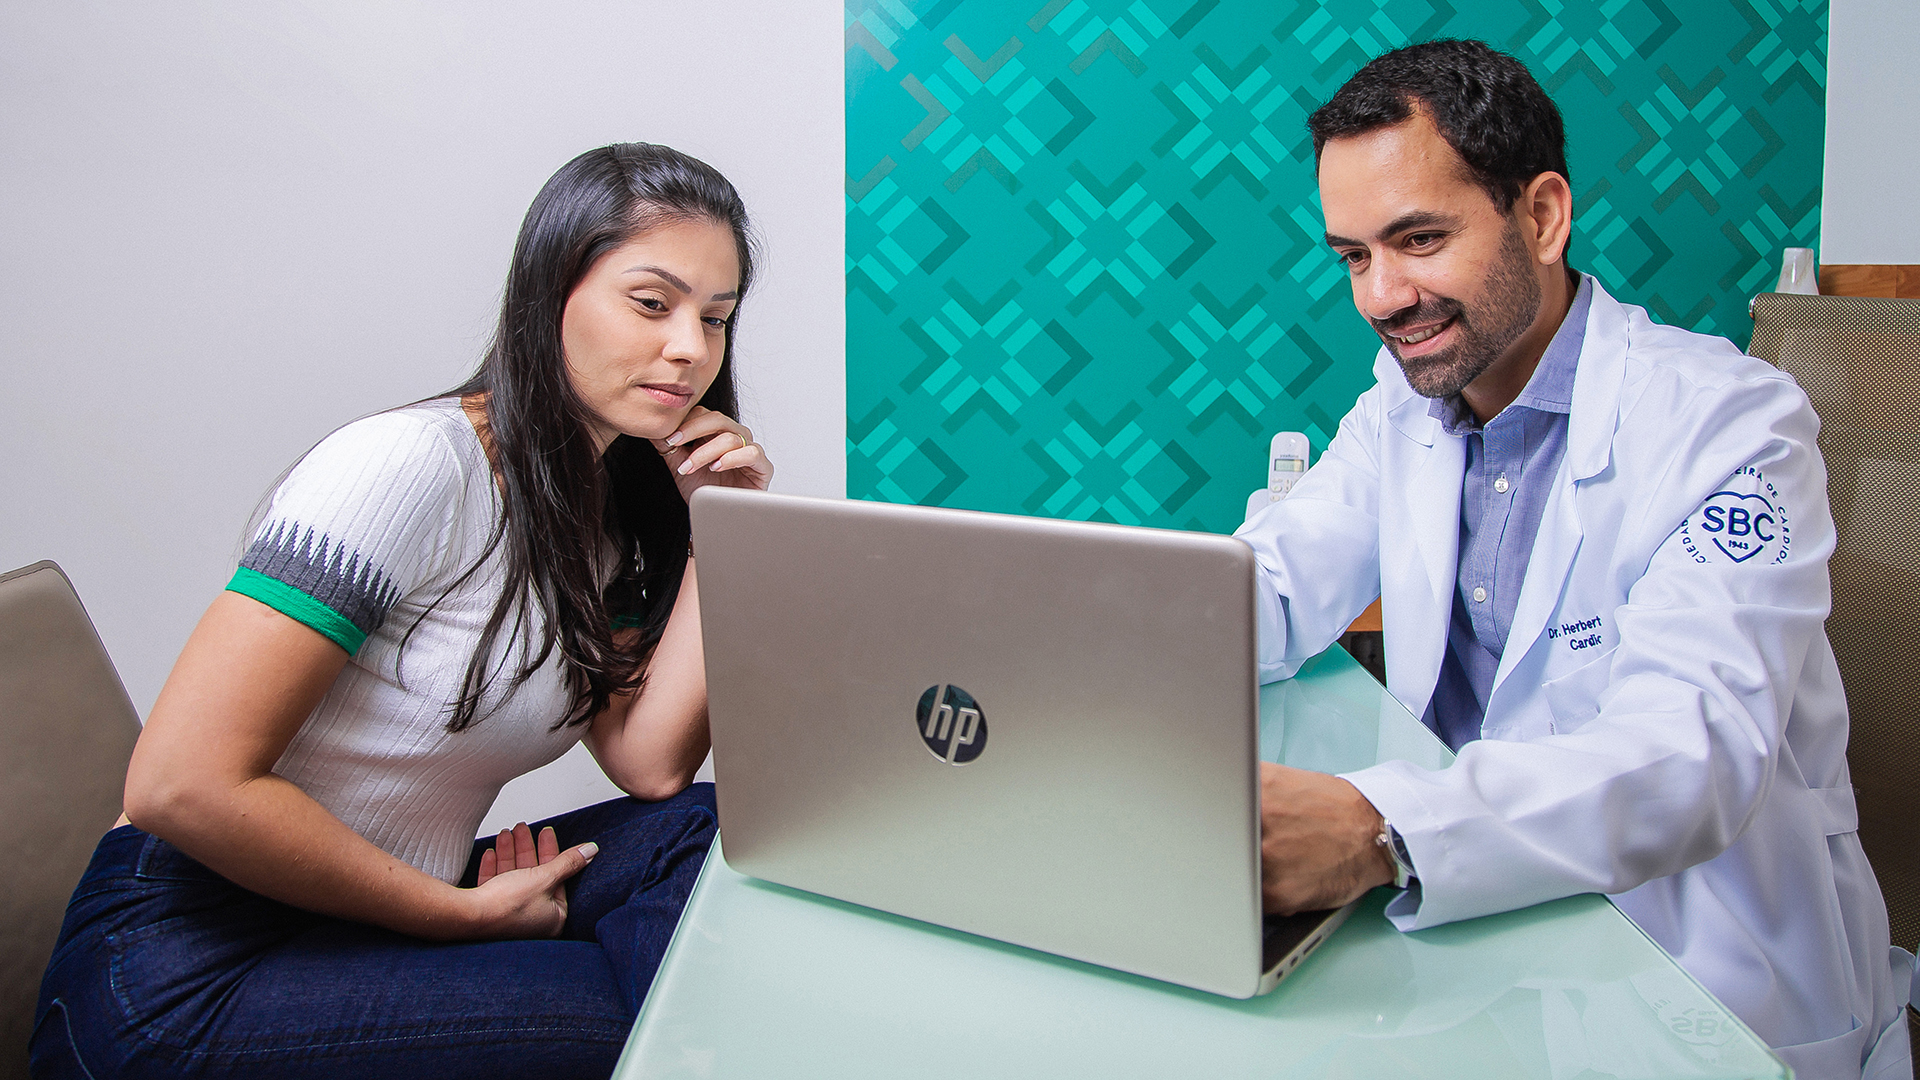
(1286, 464)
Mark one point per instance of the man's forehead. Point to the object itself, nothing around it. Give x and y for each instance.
(1388, 172)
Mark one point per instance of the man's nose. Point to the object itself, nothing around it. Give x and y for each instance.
(1385, 291)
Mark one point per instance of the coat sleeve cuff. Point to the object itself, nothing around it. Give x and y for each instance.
(1400, 803)
(1403, 911)
(1270, 629)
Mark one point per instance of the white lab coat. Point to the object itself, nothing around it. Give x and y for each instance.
(1667, 725)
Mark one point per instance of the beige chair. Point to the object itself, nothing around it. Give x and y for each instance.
(66, 731)
(1858, 359)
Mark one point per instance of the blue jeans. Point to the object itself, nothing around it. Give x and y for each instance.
(166, 969)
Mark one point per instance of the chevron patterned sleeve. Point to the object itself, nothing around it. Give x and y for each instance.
(361, 521)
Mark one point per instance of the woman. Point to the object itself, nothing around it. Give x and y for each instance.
(440, 598)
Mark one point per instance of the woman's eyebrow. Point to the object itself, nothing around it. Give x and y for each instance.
(664, 274)
(726, 296)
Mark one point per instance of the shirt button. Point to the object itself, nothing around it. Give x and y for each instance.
(1479, 595)
(1501, 485)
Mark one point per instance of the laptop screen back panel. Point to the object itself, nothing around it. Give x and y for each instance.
(1099, 803)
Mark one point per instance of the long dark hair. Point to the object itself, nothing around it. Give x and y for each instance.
(562, 506)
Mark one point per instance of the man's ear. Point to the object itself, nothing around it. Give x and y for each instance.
(1545, 216)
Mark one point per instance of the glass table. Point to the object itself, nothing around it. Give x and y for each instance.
(766, 981)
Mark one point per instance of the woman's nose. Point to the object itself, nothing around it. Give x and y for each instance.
(687, 341)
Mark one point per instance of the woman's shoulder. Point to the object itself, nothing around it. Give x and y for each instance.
(371, 513)
(421, 443)
(409, 472)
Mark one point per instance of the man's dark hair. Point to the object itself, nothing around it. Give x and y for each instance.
(1485, 103)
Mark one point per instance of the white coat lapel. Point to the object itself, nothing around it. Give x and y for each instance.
(1590, 427)
(1554, 549)
(1432, 496)
(1418, 592)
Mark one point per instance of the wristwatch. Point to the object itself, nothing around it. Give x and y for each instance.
(1396, 845)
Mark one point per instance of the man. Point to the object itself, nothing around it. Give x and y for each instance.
(1600, 545)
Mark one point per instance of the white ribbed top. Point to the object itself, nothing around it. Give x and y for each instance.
(410, 493)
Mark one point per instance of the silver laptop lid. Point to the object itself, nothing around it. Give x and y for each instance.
(1039, 731)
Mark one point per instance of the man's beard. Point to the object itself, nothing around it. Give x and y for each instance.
(1511, 301)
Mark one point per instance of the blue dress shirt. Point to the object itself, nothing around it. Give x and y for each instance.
(1511, 463)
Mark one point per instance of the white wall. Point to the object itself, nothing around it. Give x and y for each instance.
(1871, 208)
(226, 229)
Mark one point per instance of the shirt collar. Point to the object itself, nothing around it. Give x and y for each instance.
(1550, 388)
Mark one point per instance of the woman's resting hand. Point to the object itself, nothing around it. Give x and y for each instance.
(714, 448)
(522, 884)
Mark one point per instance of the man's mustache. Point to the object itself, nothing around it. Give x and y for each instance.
(1426, 312)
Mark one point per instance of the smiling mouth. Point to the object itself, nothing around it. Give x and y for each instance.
(1419, 336)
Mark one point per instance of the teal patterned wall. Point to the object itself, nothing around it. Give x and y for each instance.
(1083, 269)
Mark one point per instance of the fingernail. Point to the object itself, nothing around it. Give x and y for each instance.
(674, 439)
(589, 849)
(686, 468)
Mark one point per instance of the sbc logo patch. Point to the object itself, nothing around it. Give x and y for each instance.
(1745, 522)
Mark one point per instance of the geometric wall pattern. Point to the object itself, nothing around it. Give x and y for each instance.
(1084, 273)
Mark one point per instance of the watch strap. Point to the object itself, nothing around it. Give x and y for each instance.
(1396, 848)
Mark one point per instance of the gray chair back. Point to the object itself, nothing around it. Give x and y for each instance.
(1858, 359)
(66, 732)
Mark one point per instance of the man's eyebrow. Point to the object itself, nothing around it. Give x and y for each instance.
(1419, 219)
(667, 275)
(1414, 219)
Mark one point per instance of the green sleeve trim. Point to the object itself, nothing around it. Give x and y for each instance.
(299, 607)
(628, 622)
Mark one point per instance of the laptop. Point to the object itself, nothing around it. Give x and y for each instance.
(1038, 731)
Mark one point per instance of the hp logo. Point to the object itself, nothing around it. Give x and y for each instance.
(951, 724)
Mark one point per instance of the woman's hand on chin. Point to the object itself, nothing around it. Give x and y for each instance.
(714, 448)
(522, 885)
